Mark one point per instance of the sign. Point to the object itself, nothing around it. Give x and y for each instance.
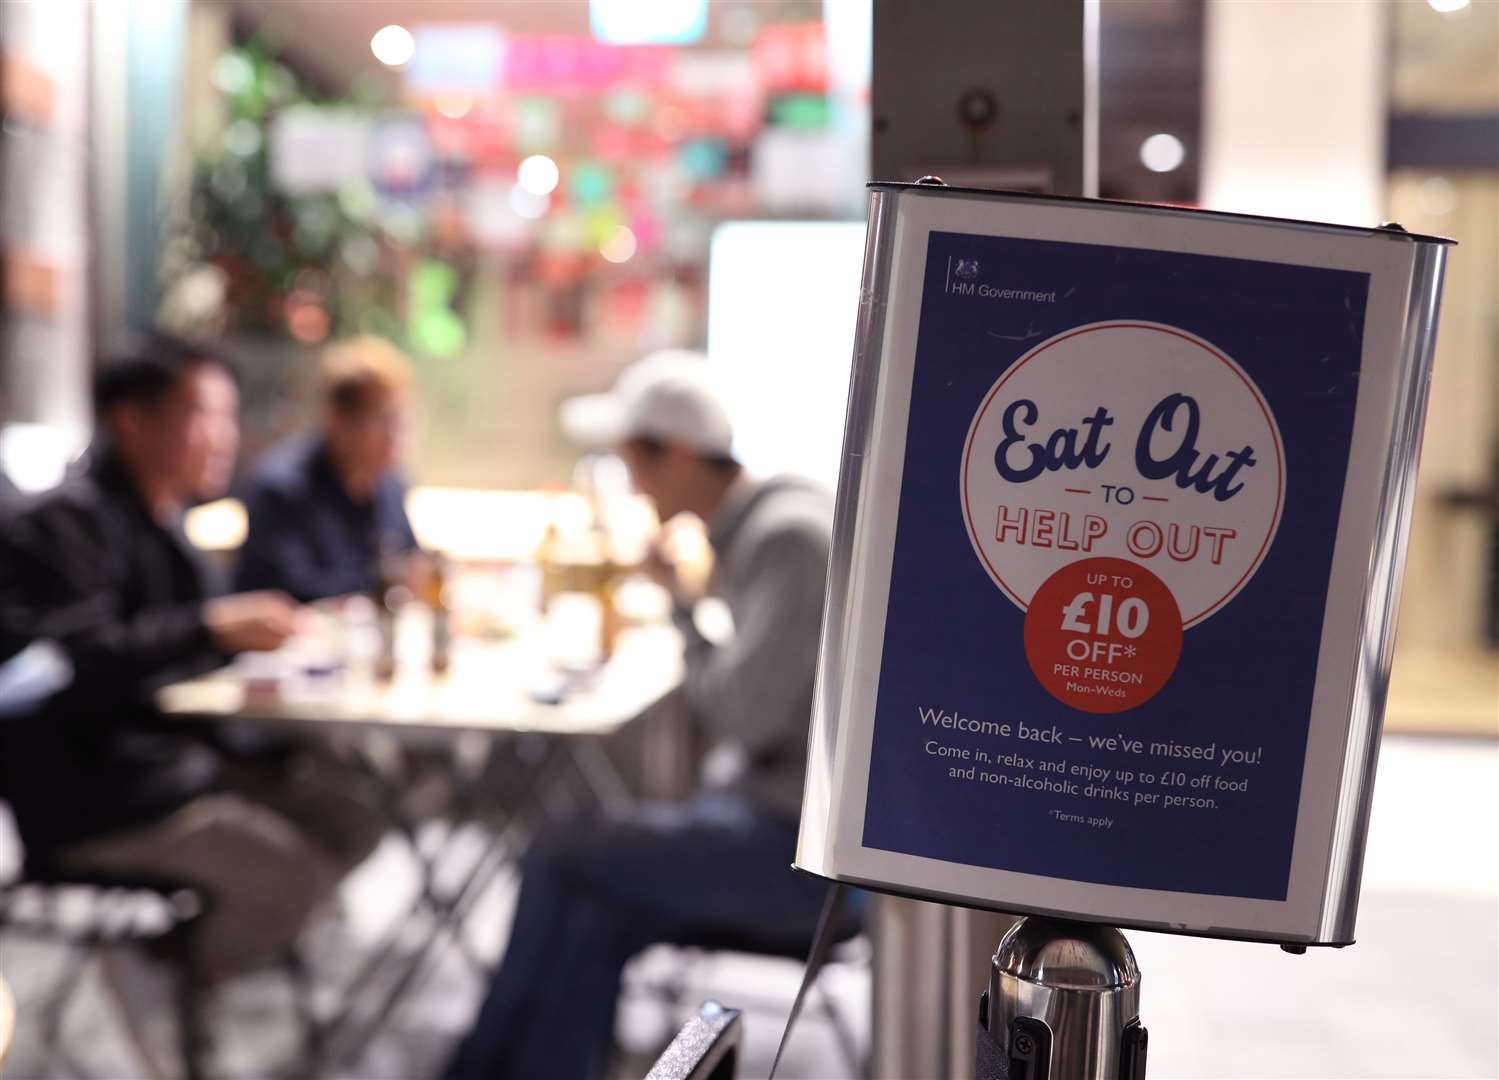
(1106, 550)
(402, 163)
(455, 58)
(1113, 492)
(318, 149)
(578, 66)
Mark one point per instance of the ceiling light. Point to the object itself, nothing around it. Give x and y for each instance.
(393, 45)
(1447, 7)
(656, 22)
(1162, 153)
(538, 174)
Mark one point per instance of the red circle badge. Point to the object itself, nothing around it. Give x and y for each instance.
(1103, 634)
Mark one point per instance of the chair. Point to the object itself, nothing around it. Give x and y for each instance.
(707, 1047)
(118, 908)
(115, 910)
(672, 990)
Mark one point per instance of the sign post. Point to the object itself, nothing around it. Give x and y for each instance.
(1063, 1002)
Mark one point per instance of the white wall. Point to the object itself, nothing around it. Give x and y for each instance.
(783, 298)
(1294, 109)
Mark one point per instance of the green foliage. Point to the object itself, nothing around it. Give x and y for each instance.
(277, 252)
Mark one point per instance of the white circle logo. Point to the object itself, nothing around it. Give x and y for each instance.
(1130, 440)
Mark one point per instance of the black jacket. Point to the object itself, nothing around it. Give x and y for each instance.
(86, 566)
(307, 537)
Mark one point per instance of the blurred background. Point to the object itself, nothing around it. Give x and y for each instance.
(525, 197)
(525, 201)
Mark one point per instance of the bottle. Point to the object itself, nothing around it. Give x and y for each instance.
(442, 617)
(549, 559)
(385, 596)
(609, 617)
(605, 573)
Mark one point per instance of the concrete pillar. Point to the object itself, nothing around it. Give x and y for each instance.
(992, 93)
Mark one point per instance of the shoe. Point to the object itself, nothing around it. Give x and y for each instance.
(145, 991)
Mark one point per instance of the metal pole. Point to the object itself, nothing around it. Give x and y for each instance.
(1063, 1004)
(1012, 103)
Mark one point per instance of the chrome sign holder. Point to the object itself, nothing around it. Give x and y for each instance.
(1151, 472)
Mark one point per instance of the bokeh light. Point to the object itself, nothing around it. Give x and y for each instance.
(528, 204)
(538, 174)
(1162, 153)
(453, 106)
(306, 318)
(393, 45)
(619, 245)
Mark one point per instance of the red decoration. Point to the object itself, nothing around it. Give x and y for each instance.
(559, 64)
(791, 58)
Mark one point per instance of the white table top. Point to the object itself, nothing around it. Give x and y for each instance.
(488, 687)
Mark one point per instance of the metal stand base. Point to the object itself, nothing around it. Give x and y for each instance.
(1063, 1004)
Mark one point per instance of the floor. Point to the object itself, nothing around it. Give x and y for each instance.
(1417, 997)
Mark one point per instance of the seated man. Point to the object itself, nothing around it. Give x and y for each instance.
(594, 893)
(325, 511)
(99, 783)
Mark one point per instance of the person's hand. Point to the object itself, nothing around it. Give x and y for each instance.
(250, 622)
(662, 570)
(418, 573)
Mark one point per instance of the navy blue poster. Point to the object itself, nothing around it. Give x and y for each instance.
(1123, 474)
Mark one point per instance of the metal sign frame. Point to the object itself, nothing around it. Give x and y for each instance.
(1404, 274)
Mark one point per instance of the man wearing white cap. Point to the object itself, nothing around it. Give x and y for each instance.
(595, 893)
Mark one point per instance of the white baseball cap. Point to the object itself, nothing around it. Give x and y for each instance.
(667, 395)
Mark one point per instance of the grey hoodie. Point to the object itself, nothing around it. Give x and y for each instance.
(752, 696)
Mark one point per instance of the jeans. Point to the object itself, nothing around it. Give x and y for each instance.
(595, 893)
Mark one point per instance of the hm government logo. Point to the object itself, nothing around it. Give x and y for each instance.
(962, 280)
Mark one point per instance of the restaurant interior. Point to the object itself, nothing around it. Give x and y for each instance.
(526, 198)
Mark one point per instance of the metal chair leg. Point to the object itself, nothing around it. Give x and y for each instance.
(192, 1031)
(301, 978)
(848, 1043)
(55, 1006)
(113, 918)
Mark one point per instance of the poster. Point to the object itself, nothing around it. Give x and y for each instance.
(1123, 471)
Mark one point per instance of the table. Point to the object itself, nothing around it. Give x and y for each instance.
(489, 687)
(493, 690)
